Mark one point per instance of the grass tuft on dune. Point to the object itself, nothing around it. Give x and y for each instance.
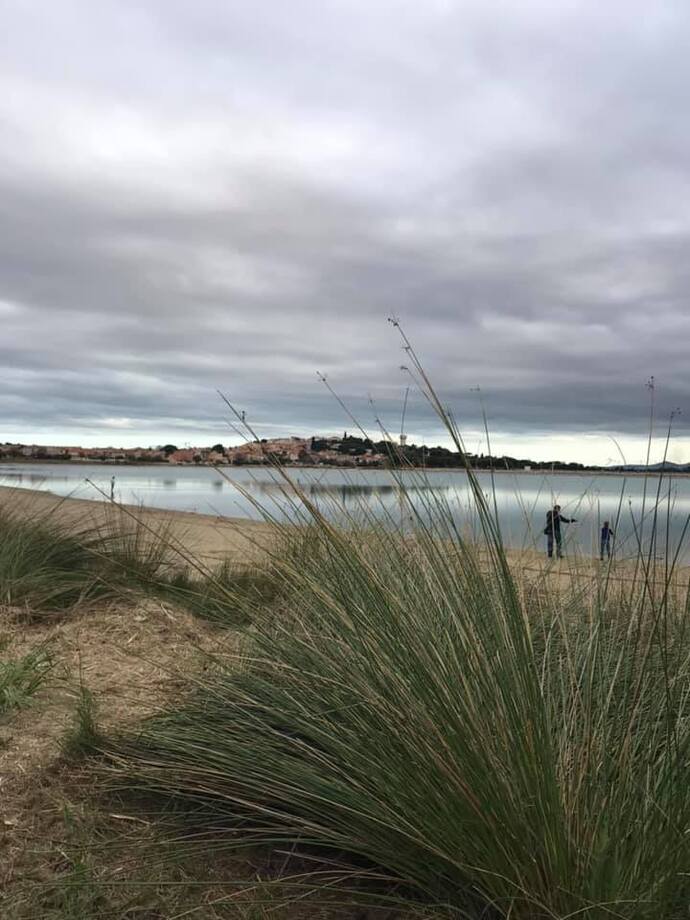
(494, 749)
(22, 676)
(410, 709)
(51, 565)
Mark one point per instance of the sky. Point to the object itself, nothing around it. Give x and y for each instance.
(215, 195)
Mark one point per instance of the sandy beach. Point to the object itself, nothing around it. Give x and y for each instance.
(213, 539)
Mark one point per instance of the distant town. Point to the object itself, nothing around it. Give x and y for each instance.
(346, 451)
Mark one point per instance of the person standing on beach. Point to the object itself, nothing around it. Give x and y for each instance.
(554, 519)
(605, 546)
(112, 489)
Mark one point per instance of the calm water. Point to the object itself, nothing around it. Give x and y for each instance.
(522, 498)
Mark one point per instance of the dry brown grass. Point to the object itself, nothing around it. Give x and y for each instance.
(133, 660)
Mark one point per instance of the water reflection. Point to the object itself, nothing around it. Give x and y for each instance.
(31, 479)
(345, 491)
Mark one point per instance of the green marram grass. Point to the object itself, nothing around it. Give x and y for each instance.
(410, 707)
(226, 594)
(49, 565)
(496, 749)
(42, 566)
(22, 676)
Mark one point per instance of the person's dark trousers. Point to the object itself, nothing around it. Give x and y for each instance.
(559, 545)
(605, 548)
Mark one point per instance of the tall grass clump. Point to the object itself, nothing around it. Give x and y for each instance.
(83, 736)
(43, 565)
(495, 750)
(226, 594)
(129, 549)
(50, 564)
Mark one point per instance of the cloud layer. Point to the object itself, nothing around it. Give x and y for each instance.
(223, 195)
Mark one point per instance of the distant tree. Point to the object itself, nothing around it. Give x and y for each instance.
(168, 449)
(351, 444)
(218, 449)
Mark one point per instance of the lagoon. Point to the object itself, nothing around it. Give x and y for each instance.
(520, 498)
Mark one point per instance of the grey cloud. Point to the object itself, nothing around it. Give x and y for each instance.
(220, 195)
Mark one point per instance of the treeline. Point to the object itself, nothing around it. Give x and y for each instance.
(439, 457)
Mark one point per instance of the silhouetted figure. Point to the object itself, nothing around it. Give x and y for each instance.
(554, 519)
(605, 545)
(112, 488)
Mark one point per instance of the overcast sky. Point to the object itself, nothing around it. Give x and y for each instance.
(221, 194)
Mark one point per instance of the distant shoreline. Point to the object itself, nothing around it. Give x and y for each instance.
(636, 474)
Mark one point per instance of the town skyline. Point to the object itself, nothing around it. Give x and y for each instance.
(348, 450)
(591, 448)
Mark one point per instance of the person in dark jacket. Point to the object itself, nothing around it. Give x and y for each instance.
(605, 547)
(554, 519)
